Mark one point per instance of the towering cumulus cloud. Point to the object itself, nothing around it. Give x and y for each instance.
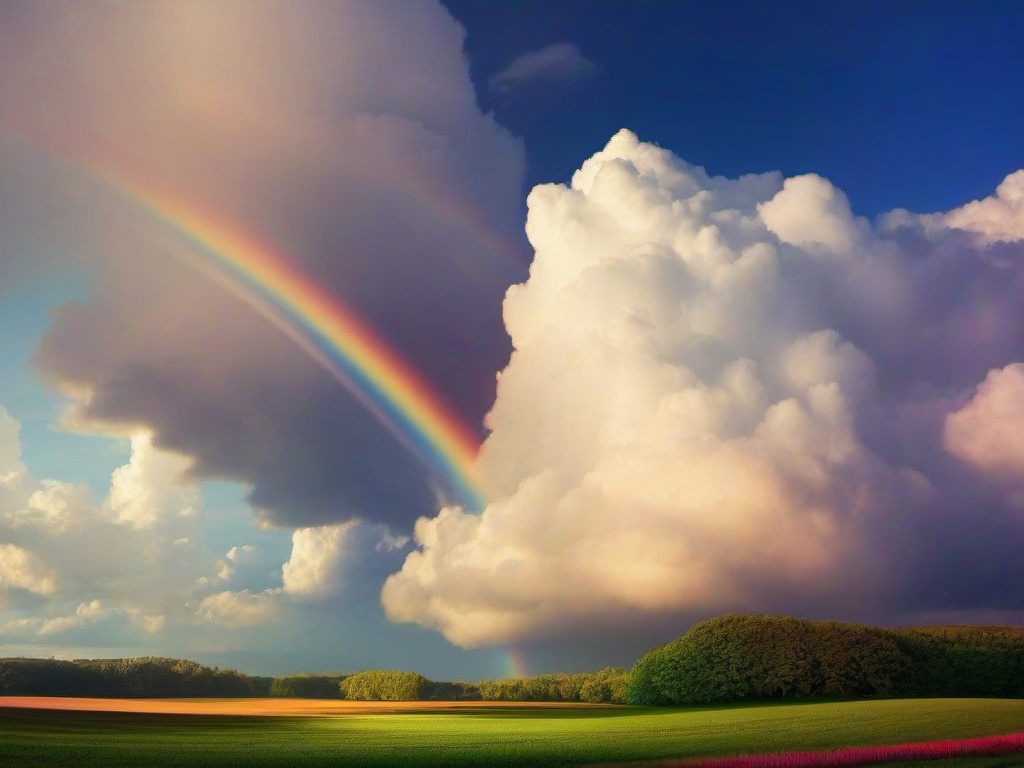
(343, 136)
(736, 394)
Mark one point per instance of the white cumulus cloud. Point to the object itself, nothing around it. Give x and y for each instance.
(724, 394)
(988, 432)
(239, 609)
(68, 562)
(314, 568)
(21, 569)
(312, 572)
(86, 613)
(149, 487)
(996, 218)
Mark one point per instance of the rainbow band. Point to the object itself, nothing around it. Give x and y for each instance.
(515, 663)
(332, 335)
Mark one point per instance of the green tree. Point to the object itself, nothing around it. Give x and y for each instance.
(742, 656)
(306, 686)
(385, 685)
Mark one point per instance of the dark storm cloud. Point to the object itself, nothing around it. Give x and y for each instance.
(346, 135)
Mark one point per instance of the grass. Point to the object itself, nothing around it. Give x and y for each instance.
(494, 735)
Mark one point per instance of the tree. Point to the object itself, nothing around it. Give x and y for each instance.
(306, 686)
(384, 685)
(742, 656)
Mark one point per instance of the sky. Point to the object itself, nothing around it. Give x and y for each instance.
(498, 338)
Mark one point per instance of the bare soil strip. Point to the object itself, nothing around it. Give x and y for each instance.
(267, 707)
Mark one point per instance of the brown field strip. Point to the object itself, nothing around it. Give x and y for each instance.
(268, 707)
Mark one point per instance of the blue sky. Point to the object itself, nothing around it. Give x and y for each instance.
(649, 452)
(912, 92)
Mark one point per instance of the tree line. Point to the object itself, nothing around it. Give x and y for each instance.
(735, 657)
(608, 686)
(124, 678)
(740, 657)
(964, 661)
(154, 677)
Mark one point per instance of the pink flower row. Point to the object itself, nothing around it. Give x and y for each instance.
(852, 756)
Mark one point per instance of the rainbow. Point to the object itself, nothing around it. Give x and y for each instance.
(330, 333)
(515, 663)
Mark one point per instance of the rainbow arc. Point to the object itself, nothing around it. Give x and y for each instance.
(330, 333)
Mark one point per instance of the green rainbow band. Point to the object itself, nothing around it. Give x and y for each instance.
(515, 663)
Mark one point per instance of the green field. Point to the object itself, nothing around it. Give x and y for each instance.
(493, 735)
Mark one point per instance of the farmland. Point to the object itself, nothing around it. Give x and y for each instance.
(231, 733)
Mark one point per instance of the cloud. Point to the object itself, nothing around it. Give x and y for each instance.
(313, 570)
(25, 502)
(21, 569)
(558, 62)
(149, 487)
(344, 136)
(732, 394)
(997, 218)
(55, 505)
(151, 624)
(986, 432)
(810, 212)
(68, 563)
(390, 541)
(134, 565)
(102, 586)
(239, 609)
(86, 613)
(12, 470)
(243, 567)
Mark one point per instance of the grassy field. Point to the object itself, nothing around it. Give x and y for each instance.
(492, 734)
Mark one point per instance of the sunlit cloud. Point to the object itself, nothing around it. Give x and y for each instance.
(239, 609)
(314, 572)
(731, 394)
(68, 562)
(21, 569)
